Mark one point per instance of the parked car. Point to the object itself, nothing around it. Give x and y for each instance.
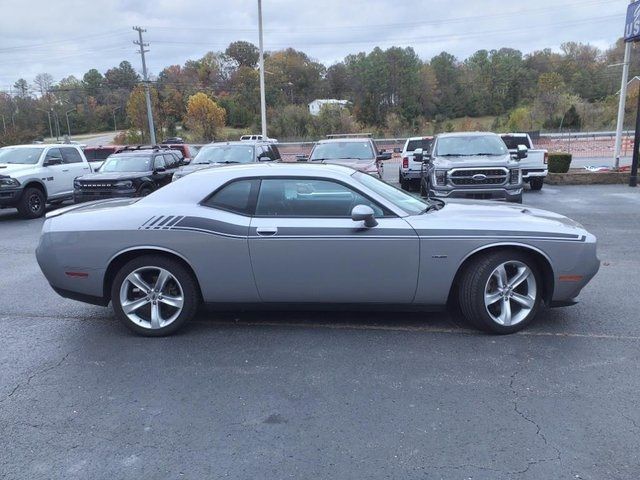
(314, 234)
(172, 141)
(130, 173)
(97, 155)
(410, 170)
(359, 153)
(534, 166)
(33, 175)
(253, 138)
(227, 153)
(187, 151)
(471, 165)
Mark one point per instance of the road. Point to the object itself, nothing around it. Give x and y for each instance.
(338, 395)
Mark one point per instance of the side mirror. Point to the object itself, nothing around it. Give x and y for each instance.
(264, 158)
(364, 213)
(397, 150)
(522, 152)
(52, 161)
(418, 155)
(161, 170)
(384, 156)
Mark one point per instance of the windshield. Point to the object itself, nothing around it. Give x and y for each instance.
(27, 156)
(467, 146)
(343, 150)
(124, 163)
(225, 154)
(408, 203)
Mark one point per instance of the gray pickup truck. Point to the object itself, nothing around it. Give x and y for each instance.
(471, 165)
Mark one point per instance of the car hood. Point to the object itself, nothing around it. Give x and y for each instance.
(113, 176)
(483, 161)
(13, 168)
(462, 217)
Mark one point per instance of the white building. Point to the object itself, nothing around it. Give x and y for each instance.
(317, 104)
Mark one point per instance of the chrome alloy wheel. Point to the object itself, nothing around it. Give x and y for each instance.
(151, 297)
(35, 204)
(510, 293)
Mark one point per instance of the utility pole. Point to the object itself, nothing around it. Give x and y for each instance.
(4, 124)
(621, 103)
(48, 117)
(115, 130)
(141, 44)
(67, 115)
(263, 101)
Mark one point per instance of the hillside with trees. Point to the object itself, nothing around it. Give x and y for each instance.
(391, 92)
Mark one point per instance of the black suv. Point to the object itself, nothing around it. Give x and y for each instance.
(128, 173)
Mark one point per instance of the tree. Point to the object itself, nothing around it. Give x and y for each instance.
(137, 110)
(22, 87)
(246, 54)
(44, 82)
(204, 116)
(93, 82)
(551, 89)
(122, 77)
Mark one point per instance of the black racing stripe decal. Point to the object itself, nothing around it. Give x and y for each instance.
(493, 233)
(164, 222)
(155, 221)
(141, 226)
(213, 226)
(174, 221)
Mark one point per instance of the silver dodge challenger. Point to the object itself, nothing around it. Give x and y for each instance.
(311, 236)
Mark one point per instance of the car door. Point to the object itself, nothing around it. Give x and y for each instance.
(74, 166)
(305, 247)
(55, 174)
(161, 175)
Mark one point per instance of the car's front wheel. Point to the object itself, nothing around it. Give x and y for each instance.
(500, 292)
(32, 203)
(536, 183)
(154, 295)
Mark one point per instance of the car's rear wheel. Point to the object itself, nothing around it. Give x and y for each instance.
(536, 183)
(32, 203)
(404, 184)
(154, 295)
(501, 292)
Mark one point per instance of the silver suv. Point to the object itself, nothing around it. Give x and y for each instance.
(471, 165)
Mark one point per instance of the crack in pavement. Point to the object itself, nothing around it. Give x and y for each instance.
(35, 374)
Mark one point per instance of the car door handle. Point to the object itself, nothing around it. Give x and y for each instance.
(65, 170)
(267, 231)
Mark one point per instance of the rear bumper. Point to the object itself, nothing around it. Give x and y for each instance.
(411, 174)
(527, 174)
(9, 197)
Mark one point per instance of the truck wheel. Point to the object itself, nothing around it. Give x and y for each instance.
(404, 184)
(536, 183)
(500, 292)
(144, 191)
(424, 188)
(32, 203)
(154, 295)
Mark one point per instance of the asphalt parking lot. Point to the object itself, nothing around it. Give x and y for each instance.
(334, 395)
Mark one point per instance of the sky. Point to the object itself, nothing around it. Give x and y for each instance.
(68, 37)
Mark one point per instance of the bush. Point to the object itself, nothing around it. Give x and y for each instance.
(559, 162)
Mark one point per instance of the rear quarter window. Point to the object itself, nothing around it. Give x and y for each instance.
(424, 144)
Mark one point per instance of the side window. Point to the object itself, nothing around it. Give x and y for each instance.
(261, 151)
(53, 154)
(90, 155)
(170, 160)
(70, 155)
(305, 197)
(275, 153)
(234, 197)
(159, 162)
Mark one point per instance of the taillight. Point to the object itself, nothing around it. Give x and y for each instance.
(546, 158)
(405, 162)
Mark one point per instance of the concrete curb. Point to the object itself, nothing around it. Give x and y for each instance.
(587, 178)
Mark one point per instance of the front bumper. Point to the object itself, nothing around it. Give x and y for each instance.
(9, 197)
(478, 193)
(80, 196)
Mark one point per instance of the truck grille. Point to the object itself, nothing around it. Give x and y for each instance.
(96, 186)
(478, 176)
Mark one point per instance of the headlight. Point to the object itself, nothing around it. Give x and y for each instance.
(515, 176)
(123, 184)
(8, 182)
(440, 177)
(76, 183)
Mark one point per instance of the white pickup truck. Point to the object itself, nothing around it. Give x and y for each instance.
(33, 175)
(534, 166)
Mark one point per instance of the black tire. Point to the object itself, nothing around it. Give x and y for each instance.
(404, 184)
(536, 183)
(190, 293)
(471, 291)
(144, 191)
(424, 188)
(32, 203)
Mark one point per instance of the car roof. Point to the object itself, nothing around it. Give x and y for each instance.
(43, 145)
(276, 168)
(344, 140)
(467, 134)
(242, 143)
(147, 151)
(425, 137)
